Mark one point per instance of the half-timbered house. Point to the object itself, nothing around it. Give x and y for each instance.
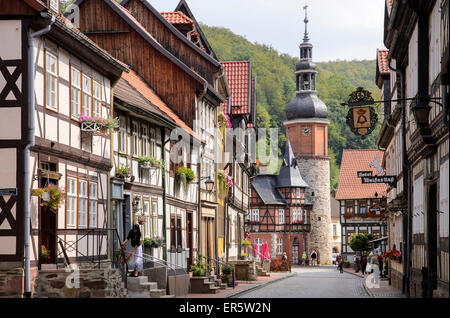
(279, 212)
(362, 206)
(40, 111)
(169, 63)
(418, 148)
(241, 109)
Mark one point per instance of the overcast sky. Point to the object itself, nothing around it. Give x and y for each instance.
(339, 29)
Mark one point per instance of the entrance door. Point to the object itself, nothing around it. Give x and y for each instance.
(432, 239)
(48, 230)
(189, 238)
(295, 251)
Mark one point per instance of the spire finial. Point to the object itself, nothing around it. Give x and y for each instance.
(306, 38)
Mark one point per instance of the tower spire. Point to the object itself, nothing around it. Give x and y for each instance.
(306, 38)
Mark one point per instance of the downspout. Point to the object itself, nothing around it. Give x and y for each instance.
(29, 142)
(163, 184)
(406, 187)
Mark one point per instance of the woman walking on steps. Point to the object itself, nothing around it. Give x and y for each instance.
(136, 262)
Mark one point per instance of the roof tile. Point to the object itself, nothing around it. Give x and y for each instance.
(383, 64)
(177, 17)
(238, 76)
(350, 186)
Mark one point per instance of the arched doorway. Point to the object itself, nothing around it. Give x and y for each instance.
(295, 251)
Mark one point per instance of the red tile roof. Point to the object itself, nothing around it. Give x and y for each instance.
(383, 64)
(238, 75)
(134, 80)
(177, 17)
(350, 186)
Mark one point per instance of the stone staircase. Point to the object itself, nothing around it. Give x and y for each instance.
(261, 272)
(206, 285)
(217, 282)
(140, 287)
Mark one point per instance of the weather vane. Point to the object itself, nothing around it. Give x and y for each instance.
(306, 20)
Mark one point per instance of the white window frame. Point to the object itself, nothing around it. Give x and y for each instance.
(123, 135)
(136, 138)
(144, 140)
(93, 205)
(72, 199)
(255, 215)
(154, 216)
(86, 95)
(75, 82)
(96, 99)
(294, 215)
(54, 5)
(280, 216)
(298, 193)
(146, 212)
(83, 196)
(51, 75)
(279, 246)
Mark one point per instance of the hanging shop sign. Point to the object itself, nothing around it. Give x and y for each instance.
(379, 179)
(377, 209)
(362, 174)
(362, 117)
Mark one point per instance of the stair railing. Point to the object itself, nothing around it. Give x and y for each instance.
(217, 269)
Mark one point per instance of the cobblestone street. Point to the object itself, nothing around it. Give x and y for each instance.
(313, 282)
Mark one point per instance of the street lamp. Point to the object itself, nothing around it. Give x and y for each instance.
(421, 111)
(209, 184)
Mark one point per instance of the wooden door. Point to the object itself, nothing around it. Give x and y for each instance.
(47, 230)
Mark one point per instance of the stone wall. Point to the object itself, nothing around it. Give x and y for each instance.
(316, 173)
(252, 272)
(12, 282)
(93, 283)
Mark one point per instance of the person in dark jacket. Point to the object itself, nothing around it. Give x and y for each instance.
(363, 264)
(136, 261)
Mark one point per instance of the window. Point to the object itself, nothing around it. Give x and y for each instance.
(144, 132)
(259, 243)
(93, 205)
(87, 96)
(304, 216)
(362, 207)
(147, 224)
(75, 79)
(349, 205)
(122, 135)
(294, 215)
(297, 193)
(153, 142)
(136, 138)
(51, 81)
(280, 216)
(255, 215)
(280, 246)
(71, 205)
(154, 216)
(54, 5)
(97, 99)
(82, 204)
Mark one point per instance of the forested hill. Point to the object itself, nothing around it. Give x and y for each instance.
(276, 88)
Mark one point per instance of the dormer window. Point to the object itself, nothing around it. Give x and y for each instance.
(54, 5)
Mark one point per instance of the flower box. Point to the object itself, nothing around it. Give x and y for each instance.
(96, 125)
(51, 196)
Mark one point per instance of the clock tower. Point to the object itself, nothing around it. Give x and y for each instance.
(307, 131)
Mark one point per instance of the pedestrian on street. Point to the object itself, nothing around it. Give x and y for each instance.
(376, 270)
(363, 264)
(304, 257)
(338, 261)
(356, 263)
(380, 264)
(284, 257)
(314, 258)
(341, 265)
(136, 262)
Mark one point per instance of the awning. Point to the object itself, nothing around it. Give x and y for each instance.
(379, 240)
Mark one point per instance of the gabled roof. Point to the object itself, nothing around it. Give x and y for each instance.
(64, 24)
(183, 7)
(212, 59)
(240, 81)
(265, 187)
(289, 175)
(141, 86)
(177, 17)
(350, 186)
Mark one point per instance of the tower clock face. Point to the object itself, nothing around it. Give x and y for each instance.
(307, 131)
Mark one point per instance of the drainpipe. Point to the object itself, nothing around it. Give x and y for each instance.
(406, 188)
(29, 142)
(163, 184)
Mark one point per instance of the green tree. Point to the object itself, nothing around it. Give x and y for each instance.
(360, 242)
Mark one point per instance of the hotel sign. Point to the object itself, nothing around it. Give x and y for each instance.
(378, 179)
(362, 174)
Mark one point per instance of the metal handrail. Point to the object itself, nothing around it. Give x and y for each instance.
(167, 265)
(222, 263)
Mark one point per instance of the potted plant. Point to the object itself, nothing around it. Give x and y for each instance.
(244, 256)
(199, 269)
(227, 278)
(45, 253)
(52, 196)
(97, 124)
(149, 163)
(224, 120)
(225, 182)
(124, 172)
(122, 256)
(185, 175)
